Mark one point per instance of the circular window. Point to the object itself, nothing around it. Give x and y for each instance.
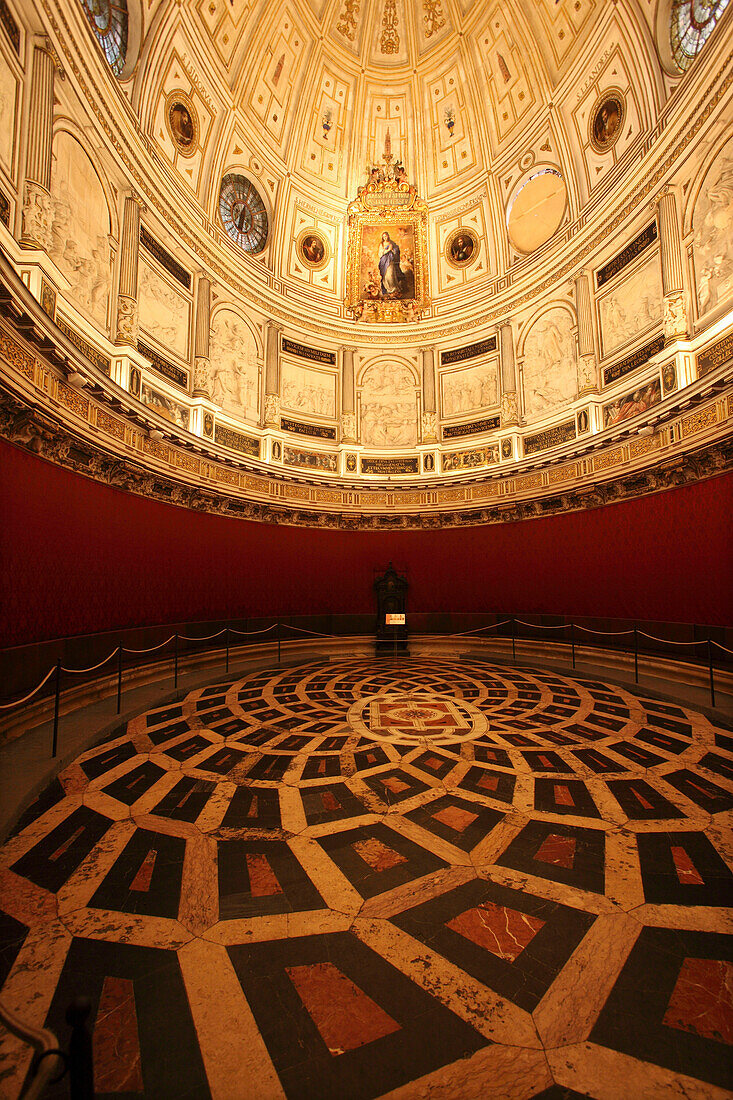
(109, 20)
(691, 24)
(243, 212)
(537, 210)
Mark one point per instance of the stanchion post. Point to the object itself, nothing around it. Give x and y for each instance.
(226, 635)
(119, 678)
(712, 676)
(514, 644)
(636, 654)
(572, 641)
(175, 661)
(278, 641)
(56, 705)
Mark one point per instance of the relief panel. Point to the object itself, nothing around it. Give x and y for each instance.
(502, 65)
(454, 139)
(632, 306)
(183, 143)
(274, 89)
(607, 119)
(713, 234)
(234, 370)
(307, 390)
(469, 390)
(80, 228)
(8, 114)
(549, 370)
(323, 152)
(388, 406)
(164, 312)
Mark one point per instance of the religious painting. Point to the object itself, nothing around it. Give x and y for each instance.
(638, 401)
(313, 249)
(182, 123)
(461, 247)
(387, 269)
(606, 120)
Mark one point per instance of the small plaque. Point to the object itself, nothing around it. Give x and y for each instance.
(395, 619)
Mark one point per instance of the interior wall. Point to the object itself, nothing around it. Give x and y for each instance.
(77, 556)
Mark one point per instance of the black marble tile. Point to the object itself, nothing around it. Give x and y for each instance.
(562, 853)
(462, 823)
(489, 783)
(683, 868)
(564, 796)
(186, 800)
(395, 786)
(642, 802)
(103, 762)
(261, 877)
(703, 792)
(376, 859)
(145, 878)
(331, 802)
(133, 785)
(12, 938)
(55, 857)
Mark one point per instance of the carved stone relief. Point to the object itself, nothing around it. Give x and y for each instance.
(306, 390)
(388, 406)
(79, 227)
(713, 234)
(469, 390)
(633, 306)
(8, 93)
(233, 371)
(550, 377)
(164, 313)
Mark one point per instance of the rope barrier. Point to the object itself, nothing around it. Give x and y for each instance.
(246, 633)
(668, 641)
(17, 702)
(92, 668)
(537, 626)
(603, 633)
(316, 633)
(206, 637)
(152, 648)
(478, 629)
(718, 644)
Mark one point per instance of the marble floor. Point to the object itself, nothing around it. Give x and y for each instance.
(354, 879)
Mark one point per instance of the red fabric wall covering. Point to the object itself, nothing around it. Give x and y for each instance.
(79, 557)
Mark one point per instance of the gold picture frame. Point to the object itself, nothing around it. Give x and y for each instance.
(182, 123)
(387, 276)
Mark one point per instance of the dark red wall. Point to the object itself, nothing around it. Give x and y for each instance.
(78, 557)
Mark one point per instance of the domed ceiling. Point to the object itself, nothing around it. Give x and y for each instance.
(474, 100)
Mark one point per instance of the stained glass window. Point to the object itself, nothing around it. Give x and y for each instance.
(243, 212)
(691, 24)
(109, 21)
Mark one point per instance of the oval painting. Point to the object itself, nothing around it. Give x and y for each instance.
(312, 249)
(462, 247)
(182, 123)
(606, 120)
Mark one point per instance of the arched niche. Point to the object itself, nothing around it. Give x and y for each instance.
(234, 364)
(712, 234)
(80, 228)
(388, 396)
(549, 372)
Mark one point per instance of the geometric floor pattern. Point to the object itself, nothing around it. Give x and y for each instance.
(357, 879)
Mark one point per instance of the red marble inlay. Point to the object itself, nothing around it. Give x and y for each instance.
(142, 879)
(321, 768)
(397, 786)
(558, 850)
(687, 872)
(263, 882)
(641, 800)
(67, 843)
(377, 854)
(702, 999)
(116, 1040)
(455, 818)
(545, 760)
(504, 932)
(254, 810)
(488, 782)
(329, 801)
(563, 796)
(433, 762)
(371, 758)
(345, 1016)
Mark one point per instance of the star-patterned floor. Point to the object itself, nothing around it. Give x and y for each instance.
(354, 879)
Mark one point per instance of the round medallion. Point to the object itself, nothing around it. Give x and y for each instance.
(461, 247)
(313, 249)
(537, 210)
(243, 213)
(606, 120)
(109, 21)
(182, 123)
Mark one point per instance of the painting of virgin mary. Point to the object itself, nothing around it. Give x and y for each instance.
(389, 267)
